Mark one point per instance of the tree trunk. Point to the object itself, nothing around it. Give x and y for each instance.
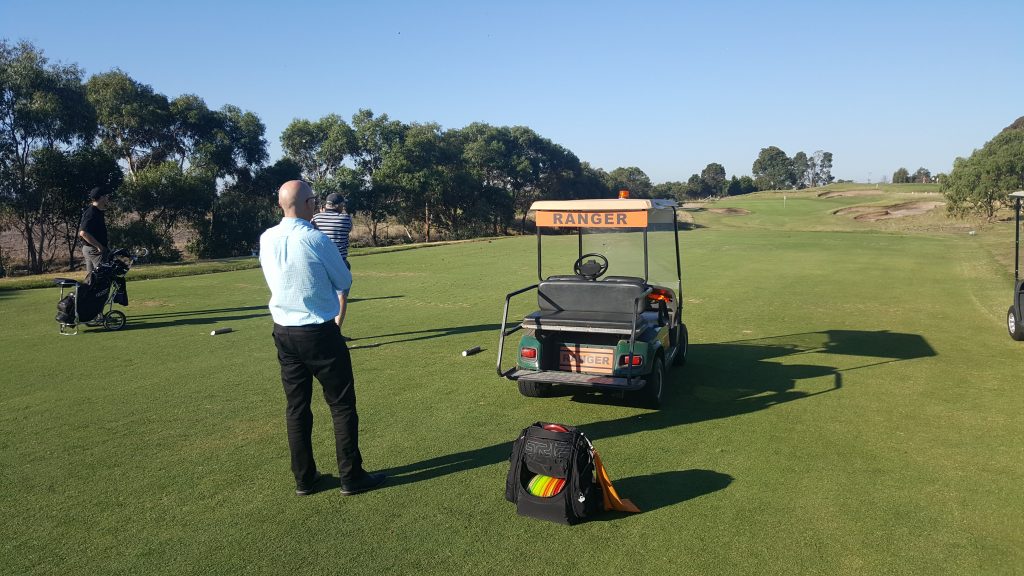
(30, 248)
(426, 223)
(373, 229)
(71, 256)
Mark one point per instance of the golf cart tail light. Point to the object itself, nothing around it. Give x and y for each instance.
(638, 360)
(623, 194)
(529, 353)
(660, 295)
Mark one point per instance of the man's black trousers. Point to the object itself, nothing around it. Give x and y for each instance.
(318, 350)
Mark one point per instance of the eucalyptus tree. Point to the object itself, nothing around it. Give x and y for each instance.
(821, 168)
(63, 178)
(134, 120)
(630, 178)
(773, 170)
(415, 169)
(44, 118)
(374, 198)
(713, 180)
(980, 183)
(320, 147)
(489, 153)
(801, 170)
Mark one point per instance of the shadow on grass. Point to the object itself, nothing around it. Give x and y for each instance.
(741, 376)
(178, 314)
(187, 317)
(416, 335)
(355, 300)
(721, 380)
(663, 489)
(190, 317)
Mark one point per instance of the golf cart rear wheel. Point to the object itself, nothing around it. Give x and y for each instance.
(650, 395)
(1014, 327)
(683, 342)
(534, 389)
(114, 320)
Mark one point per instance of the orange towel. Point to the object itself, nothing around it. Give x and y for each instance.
(611, 497)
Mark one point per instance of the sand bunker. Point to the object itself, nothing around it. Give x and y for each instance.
(873, 213)
(839, 194)
(730, 211)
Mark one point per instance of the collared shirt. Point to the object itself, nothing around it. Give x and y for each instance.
(304, 272)
(337, 226)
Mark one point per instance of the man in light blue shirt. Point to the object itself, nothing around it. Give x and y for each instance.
(305, 273)
(312, 261)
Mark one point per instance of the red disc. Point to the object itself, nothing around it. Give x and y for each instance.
(555, 428)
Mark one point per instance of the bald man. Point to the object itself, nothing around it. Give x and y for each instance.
(305, 273)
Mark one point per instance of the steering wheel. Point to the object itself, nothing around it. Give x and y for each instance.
(591, 269)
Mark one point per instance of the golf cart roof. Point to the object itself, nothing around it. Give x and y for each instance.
(612, 204)
(1018, 194)
(608, 213)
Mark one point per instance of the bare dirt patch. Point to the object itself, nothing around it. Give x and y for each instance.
(873, 213)
(150, 303)
(730, 211)
(841, 193)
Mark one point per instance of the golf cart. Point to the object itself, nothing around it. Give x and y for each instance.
(595, 329)
(1015, 315)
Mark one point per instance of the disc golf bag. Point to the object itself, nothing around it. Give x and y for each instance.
(551, 474)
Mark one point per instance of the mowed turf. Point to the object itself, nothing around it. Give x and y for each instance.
(852, 405)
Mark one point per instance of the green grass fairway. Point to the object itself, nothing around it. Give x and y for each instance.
(852, 405)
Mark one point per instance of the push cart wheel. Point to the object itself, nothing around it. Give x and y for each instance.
(684, 346)
(534, 389)
(114, 320)
(1014, 327)
(651, 393)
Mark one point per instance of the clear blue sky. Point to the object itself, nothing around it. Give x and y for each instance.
(667, 87)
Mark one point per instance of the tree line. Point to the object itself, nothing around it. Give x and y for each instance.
(178, 167)
(921, 176)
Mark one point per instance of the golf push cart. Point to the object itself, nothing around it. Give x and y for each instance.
(1015, 315)
(597, 330)
(91, 302)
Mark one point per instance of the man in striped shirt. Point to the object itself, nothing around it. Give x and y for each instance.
(336, 223)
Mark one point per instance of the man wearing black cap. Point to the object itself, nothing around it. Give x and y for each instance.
(93, 230)
(336, 223)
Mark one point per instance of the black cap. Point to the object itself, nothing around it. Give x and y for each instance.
(335, 199)
(97, 193)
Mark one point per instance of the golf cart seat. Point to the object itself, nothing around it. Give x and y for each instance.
(567, 278)
(580, 305)
(623, 279)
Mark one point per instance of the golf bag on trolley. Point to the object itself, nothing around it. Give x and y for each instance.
(92, 295)
(102, 288)
(552, 475)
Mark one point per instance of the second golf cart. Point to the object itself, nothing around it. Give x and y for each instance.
(1015, 315)
(614, 323)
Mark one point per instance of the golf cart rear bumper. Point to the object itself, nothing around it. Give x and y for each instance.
(577, 379)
